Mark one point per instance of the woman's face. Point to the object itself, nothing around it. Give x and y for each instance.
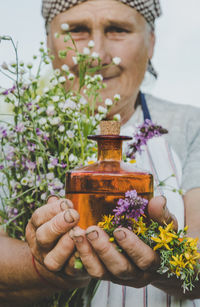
(117, 31)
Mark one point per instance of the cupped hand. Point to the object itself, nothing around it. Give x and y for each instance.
(137, 265)
(47, 234)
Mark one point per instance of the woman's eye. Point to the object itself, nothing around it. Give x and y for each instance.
(116, 30)
(79, 29)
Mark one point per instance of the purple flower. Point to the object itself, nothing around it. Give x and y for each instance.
(6, 92)
(29, 106)
(46, 137)
(20, 127)
(3, 132)
(145, 132)
(63, 165)
(12, 212)
(38, 132)
(30, 165)
(1, 167)
(132, 207)
(31, 147)
(54, 161)
(10, 90)
(10, 153)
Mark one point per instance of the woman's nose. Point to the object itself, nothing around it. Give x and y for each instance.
(101, 47)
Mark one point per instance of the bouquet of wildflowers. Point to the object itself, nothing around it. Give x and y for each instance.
(48, 132)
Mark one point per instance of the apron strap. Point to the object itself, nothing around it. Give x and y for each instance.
(145, 109)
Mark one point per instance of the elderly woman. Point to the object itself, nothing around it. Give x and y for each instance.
(124, 29)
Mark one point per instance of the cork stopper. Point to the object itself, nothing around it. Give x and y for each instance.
(109, 127)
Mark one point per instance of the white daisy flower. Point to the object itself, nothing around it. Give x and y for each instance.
(55, 98)
(64, 27)
(117, 117)
(75, 60)
(62, 79)
(61, 128)
(102, 110)
(50, 176)
(55, 121)
(40, 160)
(50, 110)
(117, 97)
(91, 44)
(62, 193)
(95, 55)
(108, 102)
(86, 51)
(116, 60)
(44, 196)
(72, 158)
(57, 72)
(42, 121)
(24, 181)
(71, 76)
(65, 67)
(70, 134)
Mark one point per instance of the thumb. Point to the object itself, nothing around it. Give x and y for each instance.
(158, 212)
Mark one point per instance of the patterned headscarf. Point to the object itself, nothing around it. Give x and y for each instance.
(149, 9)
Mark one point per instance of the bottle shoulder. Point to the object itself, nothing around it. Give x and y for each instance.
(110, 167)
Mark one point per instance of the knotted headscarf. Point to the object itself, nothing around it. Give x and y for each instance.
(149, 9)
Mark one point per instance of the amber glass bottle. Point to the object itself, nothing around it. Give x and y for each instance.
(96, 188)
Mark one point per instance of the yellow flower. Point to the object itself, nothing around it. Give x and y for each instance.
(132, 161)
(107, 222)
(91, 162)
(191, 258)
(139, 227)
(192, 243)
(179, 263)
(164, 237)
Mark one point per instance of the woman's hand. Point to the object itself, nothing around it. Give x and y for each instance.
(135, 267)
(47, 234)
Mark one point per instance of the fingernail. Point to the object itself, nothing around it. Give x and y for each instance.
(78, 239)
(119, 234)
(50, 197)
(68, 217)
(92, 235)
(77, 254)
(64, 205)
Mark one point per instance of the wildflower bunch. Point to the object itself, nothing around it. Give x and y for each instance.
(47, 135)
(179, 254)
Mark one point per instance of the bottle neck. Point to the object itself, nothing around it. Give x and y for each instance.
(110, 150)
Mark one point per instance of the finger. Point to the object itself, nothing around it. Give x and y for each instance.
(57, 257)
(115, 262)
(31, 240)
(141, 254)
(158, 211)
(48, 211)
(90, 260)
(50, 232)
